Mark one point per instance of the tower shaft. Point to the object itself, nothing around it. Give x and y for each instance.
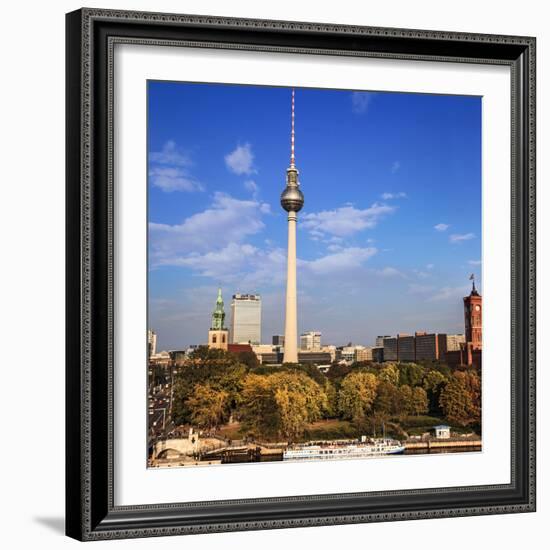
(292, 200)
(291, 317)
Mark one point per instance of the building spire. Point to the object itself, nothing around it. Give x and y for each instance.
(292, 157)
(218, 316)
(473, 279)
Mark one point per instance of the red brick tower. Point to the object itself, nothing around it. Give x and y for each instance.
(473, 308)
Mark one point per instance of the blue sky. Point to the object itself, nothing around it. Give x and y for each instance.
(389, 233)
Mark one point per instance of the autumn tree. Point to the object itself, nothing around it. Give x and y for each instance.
(419, 401)
(410, 374)
(208, 406)
(387, 401)
(357, 394)
(248, 359)
(281, 404)
(390, 374)
(405, 400)
(460, 399)
(215, 367)
(433, 383)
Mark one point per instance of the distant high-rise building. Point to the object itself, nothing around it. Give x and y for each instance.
(363, 354)
(390, 349)
(218, 335)
(310, 341)
(246, 319)
(380, 341)
(151, 342)
(378, 355)
(430, 347)
(278, 340)
(405, 347)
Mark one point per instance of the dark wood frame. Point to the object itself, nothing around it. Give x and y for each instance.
(90, 510)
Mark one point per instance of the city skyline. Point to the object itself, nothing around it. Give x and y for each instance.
(389, 232)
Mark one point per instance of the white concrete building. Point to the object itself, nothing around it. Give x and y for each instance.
(310, 341)
(246, 319)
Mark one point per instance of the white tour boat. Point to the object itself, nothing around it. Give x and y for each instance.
(342, 449)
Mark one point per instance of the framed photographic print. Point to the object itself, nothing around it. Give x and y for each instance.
(300, 274)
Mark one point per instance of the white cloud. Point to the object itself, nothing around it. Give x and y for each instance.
(360, 101)
(343, 260)
(458, 238)
(395, 166)
(449, 293)
(421, 274)
(388, 196)
(441, 227)
(252, 186)
(227, 220)
(415, 288)
(171, 155)
(430, 266)
(169, 170)
(390, 272)
(474, 262)
(173, 179)
(241, 160)
(344, 221)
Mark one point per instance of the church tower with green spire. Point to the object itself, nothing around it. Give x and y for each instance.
(218, 335)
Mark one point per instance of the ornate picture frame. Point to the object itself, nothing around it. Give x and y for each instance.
(90, 506)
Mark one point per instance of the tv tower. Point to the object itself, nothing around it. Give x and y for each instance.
(292, 200)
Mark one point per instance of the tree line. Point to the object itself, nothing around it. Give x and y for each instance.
(270, 402)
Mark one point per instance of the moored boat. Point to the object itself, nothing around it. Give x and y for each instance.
(343, 449)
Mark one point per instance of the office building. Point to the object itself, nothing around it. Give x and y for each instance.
(246, 319)
(390, 349)
(314, 358)
(278, 340)
(151, 342)
(310, 341)
(380, 341)
(378, 354)
(405, 347)
(430, 347)
(331, 350)
(363, 354)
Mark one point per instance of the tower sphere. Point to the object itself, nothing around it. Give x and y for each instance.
(292, 199)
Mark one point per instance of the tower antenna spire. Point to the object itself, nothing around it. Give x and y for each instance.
(473, 279)
(292, 157)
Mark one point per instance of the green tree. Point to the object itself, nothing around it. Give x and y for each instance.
(405, 400)
(248, 358)
(387, 402)
(208, 406)
(433, 383)
(410, 374)
(419, 401)
(331, 408)
(357, 394)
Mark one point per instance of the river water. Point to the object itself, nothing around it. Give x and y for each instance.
(278, 458)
